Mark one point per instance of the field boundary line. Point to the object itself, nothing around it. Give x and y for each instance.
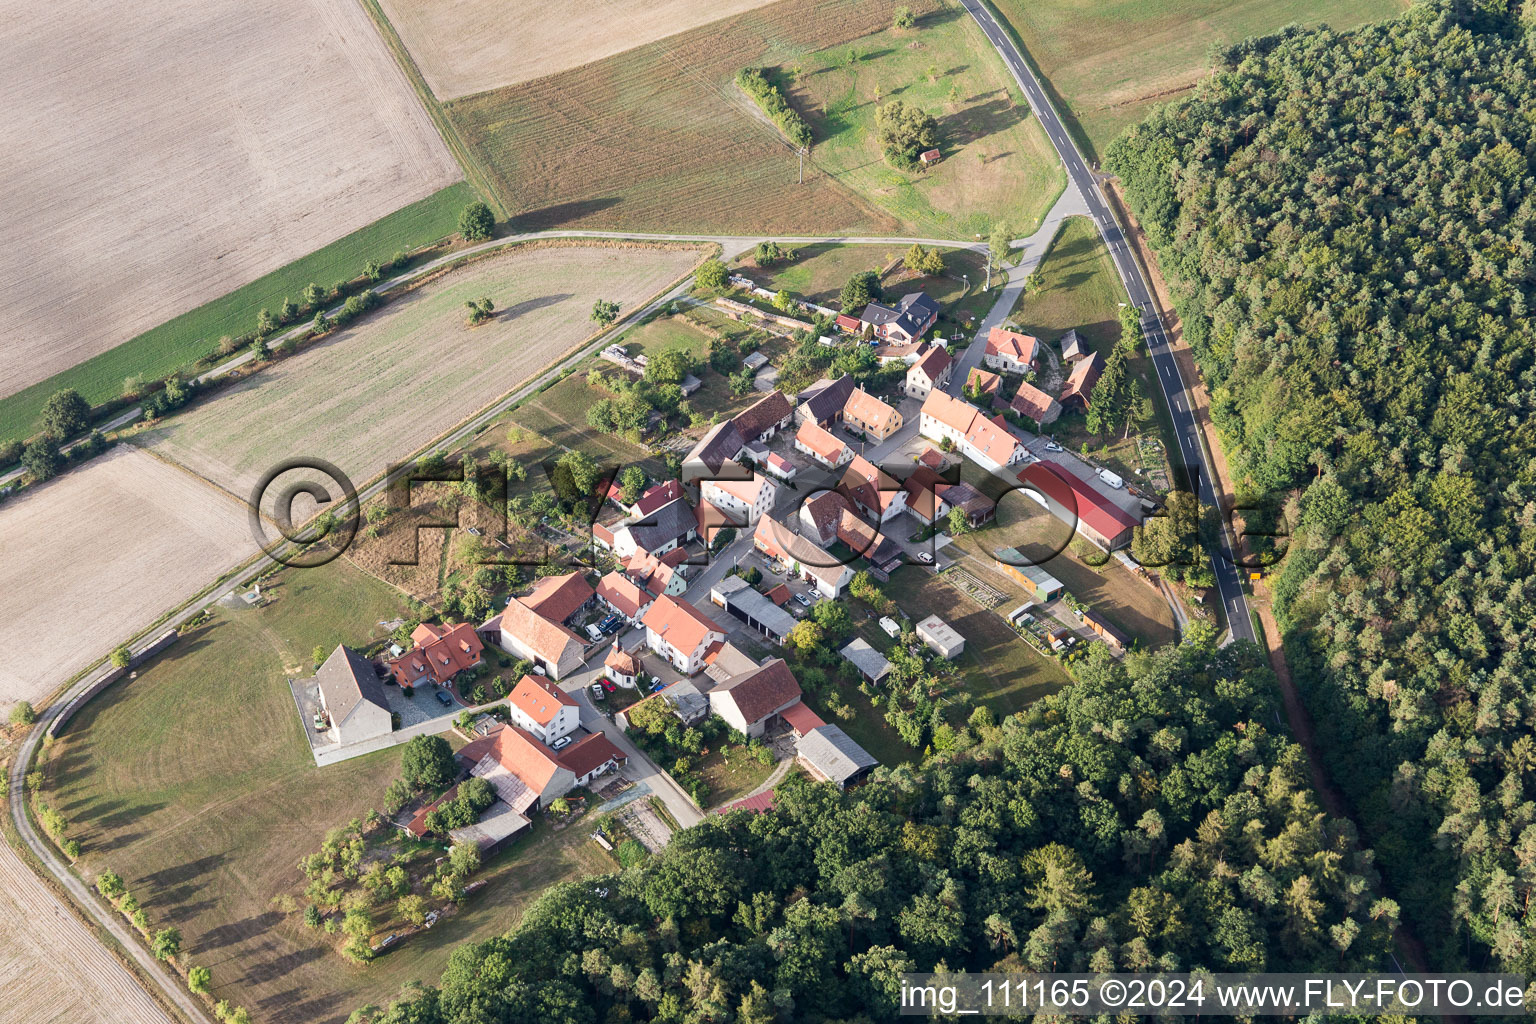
(436, 112)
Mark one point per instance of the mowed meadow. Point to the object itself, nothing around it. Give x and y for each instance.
(381, 388)
(1113, 60)
(659, 137)
(98, 554)
(159, 156)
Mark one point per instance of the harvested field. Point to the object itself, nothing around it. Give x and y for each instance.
(1114, 60)
(159, 156)
(205, 813)
(465, 48)
(660, 138)
(54, 970)
(98, 554)
(380, 389)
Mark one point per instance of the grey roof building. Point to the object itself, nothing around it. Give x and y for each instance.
(831, 755)
(822, 402)
(1073, 348)
(751, 607)
(353, 697)
(872, 665)
(673, 523)
(718, 446)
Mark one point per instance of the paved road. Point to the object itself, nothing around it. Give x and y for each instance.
(1166, 368)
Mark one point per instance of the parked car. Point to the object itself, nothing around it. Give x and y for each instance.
(1052, 446)
(610, 624)
(608, 685)
(444, 698)
(593, 633)
(804, 599)
(562, 741)
(597, 691)
(925, 558)
(658, 686)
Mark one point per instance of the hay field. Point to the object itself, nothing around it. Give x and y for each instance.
(53, 970)
(1113, 60)
(659, 138)
(158, 156)
(98, 554)
(475, 45)
(380, 389)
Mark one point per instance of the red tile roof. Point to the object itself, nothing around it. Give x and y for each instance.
(1031, 402)
(622, 661)
(1075, 494)
(558, 597)
(1019, 347)
(761, 693)
(821, 441)
(802, 719)
(982, 381)
(760, 803)
(438, 652)
(868, 410)
(590, 753)
(525, 757)
(865, 485)
(539, 699)
(545, 637)
(933, 364)
(622, 594)
(680, 624)
(779, 595)
(656, 496)
(1084, 376)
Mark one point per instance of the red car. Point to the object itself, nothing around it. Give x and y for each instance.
(608, 685)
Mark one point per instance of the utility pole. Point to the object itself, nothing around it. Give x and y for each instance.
(801, 153)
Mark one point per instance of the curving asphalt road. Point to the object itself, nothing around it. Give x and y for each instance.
(1195, 461)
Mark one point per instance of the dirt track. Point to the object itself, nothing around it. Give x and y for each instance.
(158, 156)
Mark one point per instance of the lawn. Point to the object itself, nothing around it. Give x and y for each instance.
(732, 773)
(1125, 600)
(1113, 60)
(1079, 288)
(194, 782)
(868, 727)
(818, 272)
(195, 334)
(999, 670)
(997, 163)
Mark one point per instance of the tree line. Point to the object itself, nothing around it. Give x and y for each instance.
(1348, 226)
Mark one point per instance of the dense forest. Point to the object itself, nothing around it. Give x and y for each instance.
(1145, 818)
(1348, 225)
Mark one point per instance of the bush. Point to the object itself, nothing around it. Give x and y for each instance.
(23, 713)
(905, 131)
(630, 853)
(166, 943)
(110, 884)
(10, 452)
(712, 275)
(199, 979)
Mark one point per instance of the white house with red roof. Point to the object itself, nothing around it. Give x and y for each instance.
(437, 654)
(681, 633)
(929, 372)
(623, 596)
(544, 710)
(984, 441)
(1011, 352)
(745, 501)
(822, 445)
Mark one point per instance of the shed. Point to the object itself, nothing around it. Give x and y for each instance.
(872, 665)
(1040, 585)
(929, 157)
(831, 755)
(941, 637)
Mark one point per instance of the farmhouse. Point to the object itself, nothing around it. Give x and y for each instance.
(543, 709)
(622, 667)
(764, 418)
(655, 496)
(1037, 583)
(352, 697)
(1073, 347)
(941, 637)
(736, 596)
(978, 508)
(822, 403)
(883, 555)
(981, 384)
(830, 754)
(1033, 404)
(1080, 383)
(929, 372)
(523, 632)
(437, 654)
(623, 596)
(752, 703)
(906, 321)
(923, 500)
(681, 633)
(872, 491)
(658, 575)
(822, 445)
(869, 416)
(872, 665)
(804, 558)
(670, 526)
(819, 516)
(904, 352)
(1075, 501)
(983, 441)
(1010, 352)
(719, 446)
(526, 774)
(744, 501)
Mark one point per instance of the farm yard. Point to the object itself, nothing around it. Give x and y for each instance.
(997, 162)
(194, 335)
(1112, 61)
(160, 157)
(661, 139)
(467, 48)
(208, 837)
(100, 553)
(380, 389)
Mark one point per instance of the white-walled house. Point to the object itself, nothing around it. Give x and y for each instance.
(543, 709)
(681, 633)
